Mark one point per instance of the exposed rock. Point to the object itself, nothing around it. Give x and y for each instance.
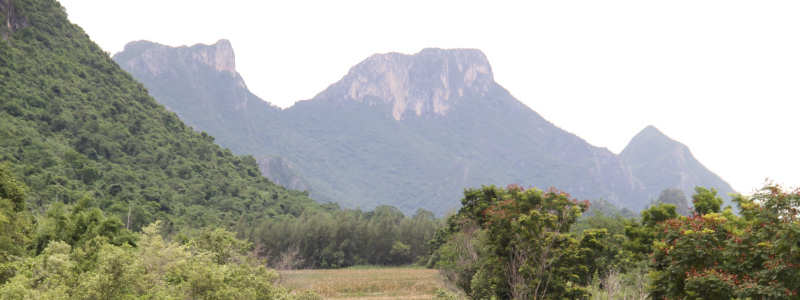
(11, 19)
(283, 173)
(431, 81)
(154, 58)
(201, 85)
(412, 131)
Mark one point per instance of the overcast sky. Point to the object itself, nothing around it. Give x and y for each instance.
(723, 77)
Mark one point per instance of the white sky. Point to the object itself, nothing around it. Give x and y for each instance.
(723, 77)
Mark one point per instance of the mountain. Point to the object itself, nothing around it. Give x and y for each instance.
(413, 131)
(201, 85)
(282, 172)
(658, 161)
(75, 126)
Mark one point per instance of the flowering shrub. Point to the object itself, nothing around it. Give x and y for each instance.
(722, 256)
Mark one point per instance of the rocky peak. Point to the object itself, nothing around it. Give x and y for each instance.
(219, 55)
(154, 58)
(431, 81)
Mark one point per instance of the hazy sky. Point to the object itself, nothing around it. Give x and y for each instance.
(723, 77)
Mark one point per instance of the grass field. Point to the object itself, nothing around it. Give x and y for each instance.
(365, 283)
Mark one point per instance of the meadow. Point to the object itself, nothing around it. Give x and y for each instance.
(365, 283)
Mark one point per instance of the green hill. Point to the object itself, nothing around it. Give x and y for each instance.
(74, 125)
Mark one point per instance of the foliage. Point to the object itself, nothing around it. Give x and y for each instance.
(515, 244)
(714, 255)
(15, 222)
(641, 235)
(156, 269)
(79, 253)
(706, 201)
(340, 238)
(74, 125)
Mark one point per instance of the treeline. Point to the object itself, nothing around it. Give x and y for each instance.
(77, 252)
(340, 238)
(514, 243)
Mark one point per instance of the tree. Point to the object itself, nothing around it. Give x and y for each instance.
(706, 201)
(640, 235)
(723, 256)
(15, 222)
(523, 237)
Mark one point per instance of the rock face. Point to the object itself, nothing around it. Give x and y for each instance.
(431, 81)
(12, 20)
(201, 85)
(281, 172)
(157, 59)
(411, 131)
(658, 161)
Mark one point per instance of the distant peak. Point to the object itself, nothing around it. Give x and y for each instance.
(651, 138)
(650, 130)
(153, 56)
(430, 81)
(219, 55)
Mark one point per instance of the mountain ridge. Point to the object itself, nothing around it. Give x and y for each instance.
(651, 151)
(413, 130)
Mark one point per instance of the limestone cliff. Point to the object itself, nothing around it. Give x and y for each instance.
(200, 84)
(431, 81)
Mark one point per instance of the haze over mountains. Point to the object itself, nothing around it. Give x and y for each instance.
(406, 130)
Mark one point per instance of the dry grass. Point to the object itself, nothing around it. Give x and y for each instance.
(366, 283)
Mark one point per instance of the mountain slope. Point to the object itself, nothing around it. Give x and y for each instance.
(414, 130)
(201, 85)
(659, 162)
(73, 125)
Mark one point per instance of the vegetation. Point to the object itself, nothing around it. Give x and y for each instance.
(74, 125)
(353, 152)
(76, 252)
(341, 238)
(370, 283)
(106, 195)
(501, 238)
(515, 244)
(675, 197)
(719, 255)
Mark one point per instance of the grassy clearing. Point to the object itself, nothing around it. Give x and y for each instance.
(367, 282)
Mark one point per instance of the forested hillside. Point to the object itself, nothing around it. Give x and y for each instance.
(74, 125)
